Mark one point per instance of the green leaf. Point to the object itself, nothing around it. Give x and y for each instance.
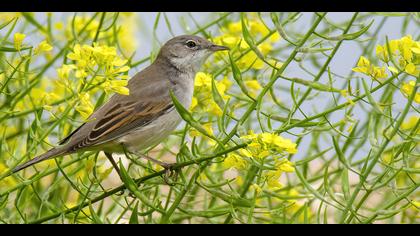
(350, 36)
(248, 38)
(295, 121)
(10, 49)
(340, 154)
(237, 76)
(234, 200)
(311, 50)
(279, 27)
(132, 187)
(187, 116)
(95, 216)
(314, 85)
(216, 95)
(134, 218)
(392, 14)
(345, 185)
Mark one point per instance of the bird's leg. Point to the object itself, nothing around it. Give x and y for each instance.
(169, 171)
(114, 164)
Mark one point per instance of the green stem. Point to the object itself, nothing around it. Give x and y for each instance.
(378, 154)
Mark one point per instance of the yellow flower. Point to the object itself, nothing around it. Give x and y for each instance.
(233, 38)
(272, 179)
(285, 165)
(257, 27)
(387, 158)
(194, 103)
(203, 96)
(410, 123)
(408, 88)
(235, 27)
(239, 180)
(405, 51)
(363, 62)
(412, 69)
(256, 188)
(406, 43)
(202, 79)
(265, 144)
(117, 86)
(226, 82)
(64, 71)
(234, 161)
(364, 66)
(253, 86)
(18, 39)
(85, 107)
(379, 73)
(361, 69)
(43, 47)
(59, 25)
(102, 63)
(382, 53)
(250, 60)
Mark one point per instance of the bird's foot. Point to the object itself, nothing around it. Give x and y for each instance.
(125, 192)
(170, 172)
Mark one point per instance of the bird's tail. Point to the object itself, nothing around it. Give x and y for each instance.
(54, 152)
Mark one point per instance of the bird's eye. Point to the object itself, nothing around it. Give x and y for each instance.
(191, 44)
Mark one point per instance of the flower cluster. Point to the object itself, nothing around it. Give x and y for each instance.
(404, 53)
(203, 101)
(265, 144)
(232, 37)
(125, 33)
(364, 66)
(272, 176)
(262, 146)
(43, 47)
(98, 67)
(17, 40)
(234, 160)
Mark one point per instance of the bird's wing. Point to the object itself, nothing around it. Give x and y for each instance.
(120, 119)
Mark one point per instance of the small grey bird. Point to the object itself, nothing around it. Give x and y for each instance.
(146, 116)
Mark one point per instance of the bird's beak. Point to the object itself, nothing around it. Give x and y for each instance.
(216, 48)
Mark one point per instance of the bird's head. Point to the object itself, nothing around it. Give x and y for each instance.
(188, 52)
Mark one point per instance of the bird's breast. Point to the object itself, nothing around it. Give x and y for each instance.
(184, 90)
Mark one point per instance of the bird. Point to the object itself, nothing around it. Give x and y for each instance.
(131, 123)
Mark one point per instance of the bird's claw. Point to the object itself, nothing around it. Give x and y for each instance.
(123, 191)
(170, 172)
